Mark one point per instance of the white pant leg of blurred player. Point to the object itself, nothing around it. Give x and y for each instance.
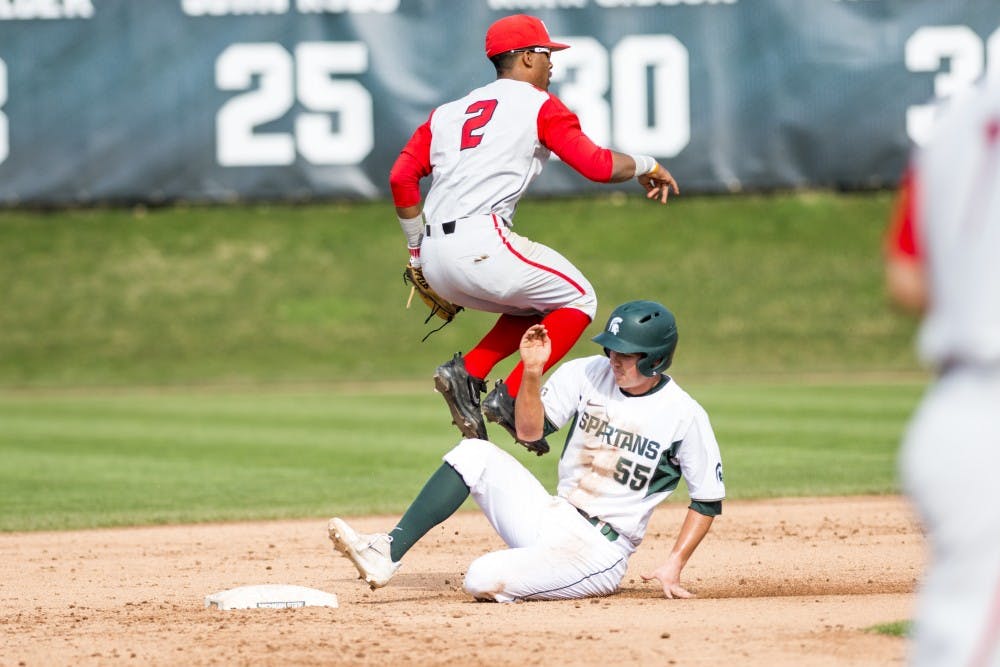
(950, 465)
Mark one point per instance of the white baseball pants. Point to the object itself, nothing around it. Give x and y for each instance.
(554, 554)
(949, 465)
(479, 263)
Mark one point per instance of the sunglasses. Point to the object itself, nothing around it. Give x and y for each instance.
(534, 49)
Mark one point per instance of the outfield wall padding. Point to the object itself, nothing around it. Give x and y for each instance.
(223, 100)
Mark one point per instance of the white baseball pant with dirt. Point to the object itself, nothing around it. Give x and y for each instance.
(555, 552)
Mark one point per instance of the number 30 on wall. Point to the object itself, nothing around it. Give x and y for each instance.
(284, 79)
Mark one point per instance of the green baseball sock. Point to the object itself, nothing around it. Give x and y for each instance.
(443, 493)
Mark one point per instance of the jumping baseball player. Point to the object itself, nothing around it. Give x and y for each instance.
(944, 261)
(634, 434)
(482, 152)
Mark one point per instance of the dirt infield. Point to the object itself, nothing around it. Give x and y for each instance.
(786, 582)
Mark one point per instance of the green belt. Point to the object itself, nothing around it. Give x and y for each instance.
(606, 530)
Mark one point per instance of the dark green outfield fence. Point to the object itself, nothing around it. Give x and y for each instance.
(216, 100)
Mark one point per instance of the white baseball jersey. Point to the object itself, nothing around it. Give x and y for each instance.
(950, 223)
(957, 223)
(485, 151)
(626, 454)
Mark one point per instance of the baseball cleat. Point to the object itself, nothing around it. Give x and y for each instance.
(461, 392)
(498, 406)
(369, 553)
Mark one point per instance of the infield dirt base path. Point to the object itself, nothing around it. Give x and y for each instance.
(785, 582)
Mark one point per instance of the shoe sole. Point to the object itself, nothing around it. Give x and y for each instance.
(469, 428)
(340, 545)
(492, 413)
(494, 416)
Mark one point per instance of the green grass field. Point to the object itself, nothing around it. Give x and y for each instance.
(894, 629)
(201, 364)
(289, 294)
(119, 458)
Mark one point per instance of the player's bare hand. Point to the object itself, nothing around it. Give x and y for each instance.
(535, 347)
(659, 183)
(670, 580)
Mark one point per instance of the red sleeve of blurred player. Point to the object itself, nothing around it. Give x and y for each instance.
(903, 240)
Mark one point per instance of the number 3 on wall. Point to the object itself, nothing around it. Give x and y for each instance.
(928, 49)
(4, 125)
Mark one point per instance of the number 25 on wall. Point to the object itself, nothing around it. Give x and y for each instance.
(283, 80)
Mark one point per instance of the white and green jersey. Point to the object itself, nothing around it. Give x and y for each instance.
(626, 454)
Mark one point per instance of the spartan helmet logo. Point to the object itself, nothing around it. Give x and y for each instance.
(614, 324)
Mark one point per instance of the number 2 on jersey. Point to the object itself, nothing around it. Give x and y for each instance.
(480, 114)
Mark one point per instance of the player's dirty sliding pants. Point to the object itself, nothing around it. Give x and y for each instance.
(483, 265)
(949, 464)
(554, 552)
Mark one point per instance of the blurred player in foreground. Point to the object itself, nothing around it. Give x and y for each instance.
(943, 261)
(635, 433)
(482, 152)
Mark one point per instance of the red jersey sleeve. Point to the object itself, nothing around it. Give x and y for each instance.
(559, 131)
(902, 239)
(413, 163)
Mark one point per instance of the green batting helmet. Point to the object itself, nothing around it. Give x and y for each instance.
(643, 327)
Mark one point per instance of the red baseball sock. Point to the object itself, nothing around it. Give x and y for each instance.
(502, 341)
(565, 326)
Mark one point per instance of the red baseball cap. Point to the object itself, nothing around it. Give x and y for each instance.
(519, 31)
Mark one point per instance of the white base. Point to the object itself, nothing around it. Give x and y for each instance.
(270, 596)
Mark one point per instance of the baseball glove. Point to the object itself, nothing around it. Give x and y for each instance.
(446, 310)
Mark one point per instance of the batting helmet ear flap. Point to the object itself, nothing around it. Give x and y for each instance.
(655, 365)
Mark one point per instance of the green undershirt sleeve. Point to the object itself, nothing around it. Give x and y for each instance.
(713, 508)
